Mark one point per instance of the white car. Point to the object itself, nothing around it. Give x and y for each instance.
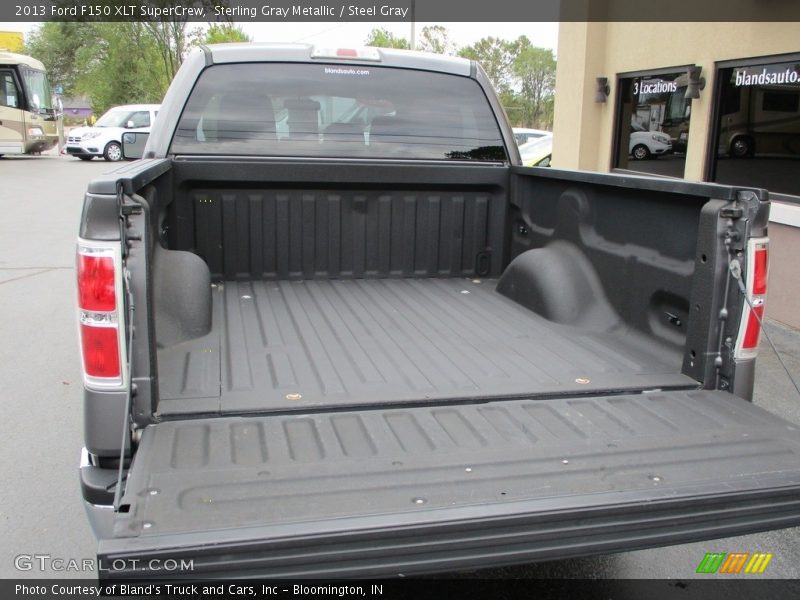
(523, 135)
(537, 152)
(104, 138)
(644, 143)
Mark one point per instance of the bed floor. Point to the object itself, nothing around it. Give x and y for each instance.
(299, 345)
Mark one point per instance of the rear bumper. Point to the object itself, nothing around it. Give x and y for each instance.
(101, 519)
(97, 489)
(445, 540)
(36, 145)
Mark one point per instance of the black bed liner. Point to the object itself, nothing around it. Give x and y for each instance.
(337, 343)
(403, 490)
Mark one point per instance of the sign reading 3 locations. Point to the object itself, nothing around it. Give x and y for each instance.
(654, 86)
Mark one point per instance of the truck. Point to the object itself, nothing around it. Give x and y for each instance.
(319, 347)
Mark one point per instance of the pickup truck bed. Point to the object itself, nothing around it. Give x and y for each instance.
(350, 293)
(377, 341)
(329, 403)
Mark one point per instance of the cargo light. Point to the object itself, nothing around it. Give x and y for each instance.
(371, 54)
(756, 297)
(101, 322)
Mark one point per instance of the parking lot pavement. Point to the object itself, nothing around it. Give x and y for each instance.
(40, 383)
(40, 387)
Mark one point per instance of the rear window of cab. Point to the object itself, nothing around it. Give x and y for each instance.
(337, 110)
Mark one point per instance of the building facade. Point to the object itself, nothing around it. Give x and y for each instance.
(713, 102)
(13, 41)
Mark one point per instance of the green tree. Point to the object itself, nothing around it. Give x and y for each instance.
(496, 56)
(171, 42)
(112, 63)
(120, 63)
(522, 74)
(220, 33)
(514, 106)
(171, 34)
(535, 71)
(56, 45)
(121, 67)
(435, 38)
(382, 38)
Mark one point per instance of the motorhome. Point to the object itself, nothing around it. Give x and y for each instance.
(30, 118)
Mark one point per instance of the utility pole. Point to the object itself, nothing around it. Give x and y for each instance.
(413, 25)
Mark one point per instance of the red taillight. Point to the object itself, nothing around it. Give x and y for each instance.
(760, 271)
(752, 333)
(347, 52)
(96, 284)
(101, 320)
(100, 347)
(756, 289)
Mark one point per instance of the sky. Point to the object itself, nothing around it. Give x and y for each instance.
(354, 34)
(333, 34)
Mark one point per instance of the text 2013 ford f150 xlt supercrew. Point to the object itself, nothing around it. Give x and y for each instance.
(334, 329)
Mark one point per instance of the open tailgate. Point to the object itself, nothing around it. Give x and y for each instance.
(410, 490)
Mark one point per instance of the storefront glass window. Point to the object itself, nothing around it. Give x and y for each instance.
(653, 124)
(758, 132)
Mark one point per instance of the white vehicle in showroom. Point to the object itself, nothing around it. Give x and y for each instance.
(104, 138)
(645, 144)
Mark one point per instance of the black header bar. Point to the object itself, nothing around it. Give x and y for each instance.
(401, 10)
(463, 588)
